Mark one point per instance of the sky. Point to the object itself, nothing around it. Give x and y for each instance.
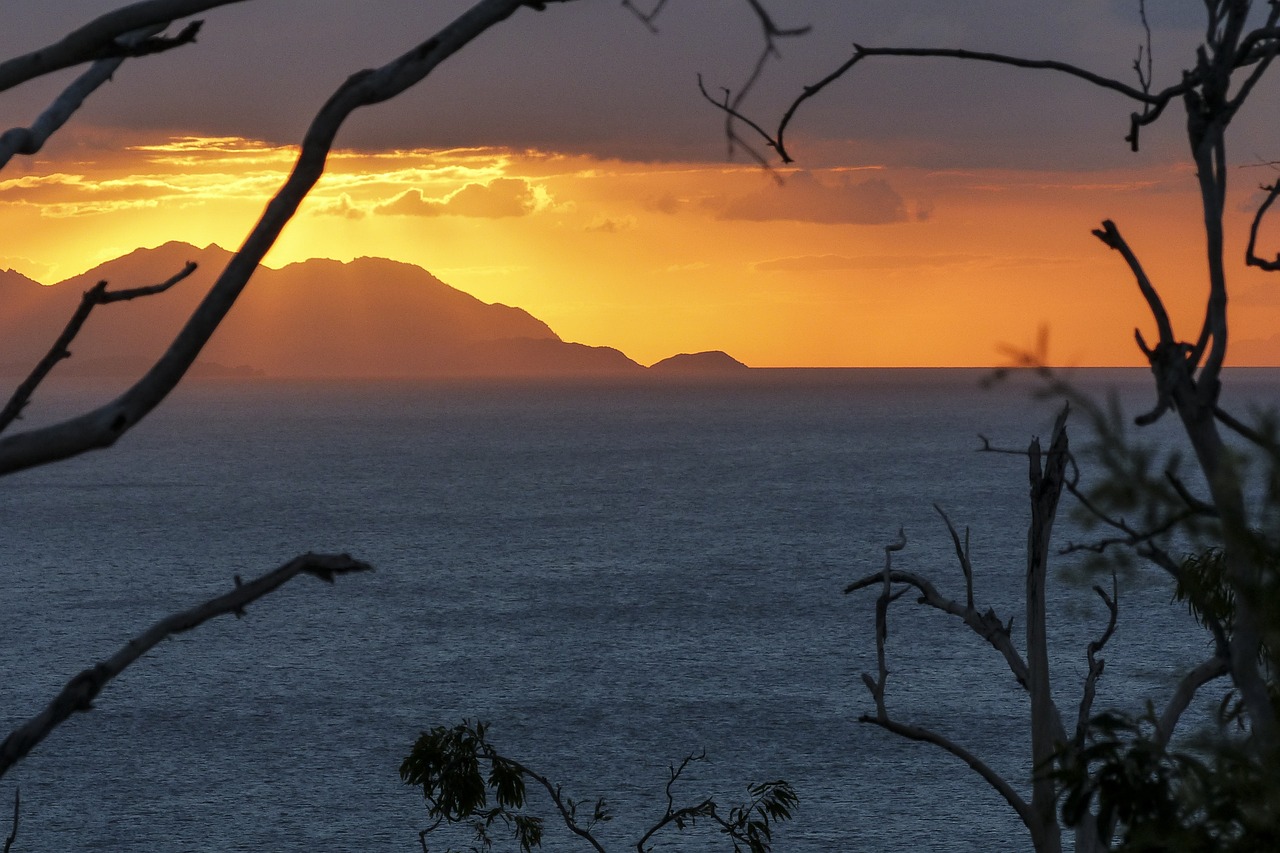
(938, 214)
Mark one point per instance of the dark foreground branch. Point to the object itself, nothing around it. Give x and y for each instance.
(94, 296)
(13, 833)
(29, 140)
(80, 691)
(101, 38)
(1153, 103)
(992, 778)
(103, 426)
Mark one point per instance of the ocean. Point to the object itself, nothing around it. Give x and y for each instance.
(613, 575)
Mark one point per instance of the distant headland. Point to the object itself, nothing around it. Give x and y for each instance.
(368, 318)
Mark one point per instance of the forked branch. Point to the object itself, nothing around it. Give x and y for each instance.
(80, 691)
(1153, 103)
(101, 38)
(13, 832)
(103, 426)
(991, 777)
(1097, 664)
(29, 140)
(93, 297)
(1251, 257)
(1213, 668)
(986, 625)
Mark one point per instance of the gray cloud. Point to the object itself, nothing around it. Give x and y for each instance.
(601, 84)
(804, 198)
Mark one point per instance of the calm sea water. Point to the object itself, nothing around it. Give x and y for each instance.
(612, 575)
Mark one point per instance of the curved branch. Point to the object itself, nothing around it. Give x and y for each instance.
(96, 295)
(1250, 254)
(1110, 235)
(991, 777)
(1096, 664)
(99, 39)
(13, 833)
(558, 800)
(962, 555)
(1155, 102)
(103, 426)
(1213, 668)
(29, 140)
(986, 625)
(80, 691)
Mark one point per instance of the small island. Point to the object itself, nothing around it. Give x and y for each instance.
(711, 362)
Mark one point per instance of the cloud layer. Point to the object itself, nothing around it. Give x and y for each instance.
(804, 198)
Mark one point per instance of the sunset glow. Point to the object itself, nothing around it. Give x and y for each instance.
(589, 185)
(835, 267)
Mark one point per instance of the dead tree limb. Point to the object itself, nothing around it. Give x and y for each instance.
(1048, 737)
(986, 625)
(94, 296)
(1096, 664)
(991, 777)
(29, 140)
(13, 833)
(1153, 103)
(103, 426)
(962, 556)
(877, 684)
(1046, 489)
(80, 691)
(101, 38)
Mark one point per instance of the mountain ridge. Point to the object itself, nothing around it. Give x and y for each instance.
(365, 318)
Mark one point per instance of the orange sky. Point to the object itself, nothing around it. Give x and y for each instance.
(945, 212)
(834, 267)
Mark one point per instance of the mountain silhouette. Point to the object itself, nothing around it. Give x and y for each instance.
(370, 317)
(699, 363)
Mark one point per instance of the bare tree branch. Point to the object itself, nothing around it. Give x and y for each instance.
(99, 39)
(1215, 667)
(876, 685)
(962, 555)
(646, 18)
(992, 778)
(1097, 664)
(1250, 256)
(29, 140)
(1154, 103)
(1110, 235)
(1046, 489)
(1131, 536)
(13, 833)
(986, 625)
(103, 426)
(80, 691)
(94, 296)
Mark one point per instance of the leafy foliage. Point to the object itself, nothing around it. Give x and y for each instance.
(1222, 797)
(458, 770)
(447, 763)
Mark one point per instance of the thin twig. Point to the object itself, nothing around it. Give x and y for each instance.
(101, 38)
(80, 691)
(962, 555)
(992, 778)
(94, 296)
(29, 140)
(13, 833)
(1215, 667)
(1097, 664)
(103, 426)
